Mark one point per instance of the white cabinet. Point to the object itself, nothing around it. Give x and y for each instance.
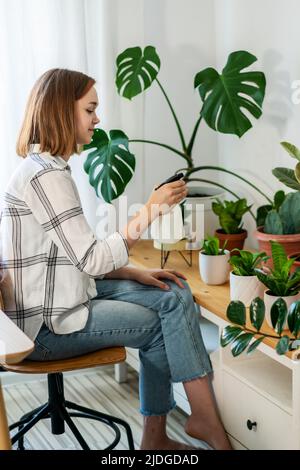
(258, 395)
(252, 419)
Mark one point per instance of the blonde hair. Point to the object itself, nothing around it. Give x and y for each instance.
(49, 118)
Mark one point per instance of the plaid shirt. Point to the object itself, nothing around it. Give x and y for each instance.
(50, 255)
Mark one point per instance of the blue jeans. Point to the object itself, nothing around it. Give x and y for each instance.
(162, 324)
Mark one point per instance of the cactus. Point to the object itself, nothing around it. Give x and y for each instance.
(287, 219)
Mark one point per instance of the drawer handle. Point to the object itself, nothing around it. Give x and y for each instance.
(251, 425)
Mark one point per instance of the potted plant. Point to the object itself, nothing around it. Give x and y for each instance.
(246, 335)
(224, 96)
(280, 281)
(244, 284)
(230, 214)
(281, 221)
(213, 262)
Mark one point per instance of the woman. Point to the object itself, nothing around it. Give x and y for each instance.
(74, 294)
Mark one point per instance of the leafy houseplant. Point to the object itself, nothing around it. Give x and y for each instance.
(280, 281)
(282, 221)
(211, 247)
(245, 264)
(230, 215)
(213, 262)
(244, 285)
(291, 178)
(110, 164)
(241, 334)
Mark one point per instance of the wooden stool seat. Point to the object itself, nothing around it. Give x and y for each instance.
(97, 358)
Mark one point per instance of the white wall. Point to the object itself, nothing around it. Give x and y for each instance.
(183, 34)
(270, 30)
(189, 35)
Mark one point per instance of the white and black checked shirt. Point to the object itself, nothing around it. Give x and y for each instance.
(50, 256)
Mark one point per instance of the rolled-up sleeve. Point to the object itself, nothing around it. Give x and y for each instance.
(52, 197)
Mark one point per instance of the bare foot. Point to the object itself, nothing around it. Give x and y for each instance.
(167, 444)
(216, 437)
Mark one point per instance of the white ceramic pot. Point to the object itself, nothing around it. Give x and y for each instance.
(270, 299)
(214, 269)
(199, 219)
(245, 288)
(168, 228)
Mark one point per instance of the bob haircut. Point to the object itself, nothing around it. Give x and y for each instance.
(49, 118)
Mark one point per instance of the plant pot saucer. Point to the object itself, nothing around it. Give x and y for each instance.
(177, 246)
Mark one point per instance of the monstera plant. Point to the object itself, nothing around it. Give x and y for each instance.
(224, 97)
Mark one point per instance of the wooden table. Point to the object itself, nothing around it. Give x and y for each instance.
(213, 298)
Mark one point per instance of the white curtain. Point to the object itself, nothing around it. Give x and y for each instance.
(36, 35)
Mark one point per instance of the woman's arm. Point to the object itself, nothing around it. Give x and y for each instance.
(123, 273)
(159, 202)
(55, 205)
(150, 277)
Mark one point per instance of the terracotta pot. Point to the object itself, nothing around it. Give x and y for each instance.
(291, 243)
(235, 240)
(297, 262)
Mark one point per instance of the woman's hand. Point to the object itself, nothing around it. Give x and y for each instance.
(151, 277)
(163, 199)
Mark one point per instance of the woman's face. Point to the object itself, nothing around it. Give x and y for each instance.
(86, 117)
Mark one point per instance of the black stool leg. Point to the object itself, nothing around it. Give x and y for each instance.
(106, 417)
(74, 429)
(42, 413)
(110, 424)
(56, 402)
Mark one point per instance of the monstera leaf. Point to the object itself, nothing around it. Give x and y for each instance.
(136, 70)
(110, 165)
(226, 96)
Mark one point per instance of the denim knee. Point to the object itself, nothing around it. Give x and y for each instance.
(176, 293)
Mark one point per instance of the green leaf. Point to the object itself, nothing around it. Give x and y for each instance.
(262, 213)
(225, 96)
(257, 312)
(236, 312)
(278, 199)
(279, 256)
(278, 315)
(254, 345)
(136, 70)
(229, 333)
(283, 345)
(291, 149)
(110, 165)
(294, 318)
(287, 177)
(240, 343)
(211, 246)
(297, 172)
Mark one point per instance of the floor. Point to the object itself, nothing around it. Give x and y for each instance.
(117, 399)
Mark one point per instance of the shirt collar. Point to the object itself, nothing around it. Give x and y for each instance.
(59, 161)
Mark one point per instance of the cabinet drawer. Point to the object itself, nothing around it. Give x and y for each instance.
(274, 428)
